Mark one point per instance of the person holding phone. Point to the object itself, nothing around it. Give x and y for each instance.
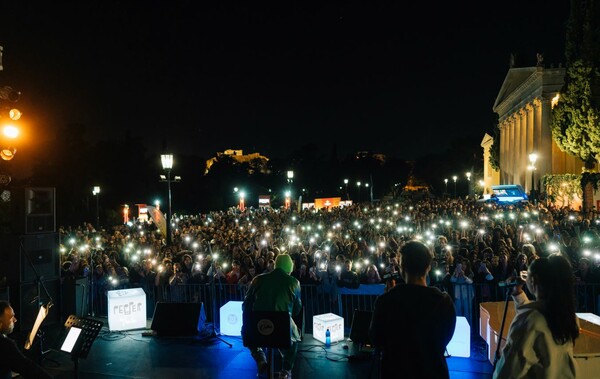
(542, 335)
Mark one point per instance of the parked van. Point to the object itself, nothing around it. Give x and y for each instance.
(507, 194)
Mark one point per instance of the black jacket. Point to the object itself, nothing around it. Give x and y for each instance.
(12, 359)
(411, 327)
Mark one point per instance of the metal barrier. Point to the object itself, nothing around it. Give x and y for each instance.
(342, 302)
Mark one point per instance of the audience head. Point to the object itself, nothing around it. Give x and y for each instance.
(415, 259)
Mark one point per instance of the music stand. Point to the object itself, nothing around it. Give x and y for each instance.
(81, 333)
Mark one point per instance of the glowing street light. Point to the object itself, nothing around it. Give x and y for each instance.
(96, 192)
(167, 164)
(358, 185)
(532, 159)
(347, 195)
(468, 174)
(454, 178)
(446, 183)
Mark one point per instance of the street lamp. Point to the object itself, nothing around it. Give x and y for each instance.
(468, 174)
(347, 195)
(532, 159)
(446, 183)
(454, 178)
(167, 164)
(358, 185)
(96, 192)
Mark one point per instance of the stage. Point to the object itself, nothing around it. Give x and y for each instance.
(129, 354)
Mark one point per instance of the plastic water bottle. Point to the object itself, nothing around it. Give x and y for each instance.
(327, 338)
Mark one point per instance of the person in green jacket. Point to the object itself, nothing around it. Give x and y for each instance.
(276, 291)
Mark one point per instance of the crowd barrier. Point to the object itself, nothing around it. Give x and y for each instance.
(316, 300)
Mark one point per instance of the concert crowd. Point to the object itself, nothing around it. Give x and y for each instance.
(473, 243)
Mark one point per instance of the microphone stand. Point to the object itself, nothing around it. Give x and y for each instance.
(497, 354)
(213, 333)
(39, 285)
(92, 273)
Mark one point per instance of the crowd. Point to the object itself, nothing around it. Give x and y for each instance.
(473, 243)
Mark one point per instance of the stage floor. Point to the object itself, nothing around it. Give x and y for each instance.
(131, 355)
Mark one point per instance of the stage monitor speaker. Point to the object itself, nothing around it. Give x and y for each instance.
(359, 329)
(28, 210)
(20, 252)
(30, 297)
(178, 319)
(74, 294)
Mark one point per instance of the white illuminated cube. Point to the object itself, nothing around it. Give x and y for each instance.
(330, 321)
(231, 318)
(460, 344)
(126, 309)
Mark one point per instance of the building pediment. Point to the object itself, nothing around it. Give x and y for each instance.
(514, 79)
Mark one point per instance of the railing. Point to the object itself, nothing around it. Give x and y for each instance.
(342, 302)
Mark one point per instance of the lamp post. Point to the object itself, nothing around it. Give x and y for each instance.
(532, 159)
(468, 174)
(346, 183)
(446, 183)
(167, 164)
(96, 192)
(358, 185)
(455, 178)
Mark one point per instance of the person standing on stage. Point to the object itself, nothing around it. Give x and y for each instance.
(11, 358)
(412, 324)
(276, 290)
(542, 335)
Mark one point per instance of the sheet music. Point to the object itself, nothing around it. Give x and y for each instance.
(43, 312)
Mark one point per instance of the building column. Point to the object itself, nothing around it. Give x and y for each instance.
(503, 141)
(512, 143)
(529, 137)
(544, 164)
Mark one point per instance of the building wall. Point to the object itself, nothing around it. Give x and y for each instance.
(490, 176)
(524, 112)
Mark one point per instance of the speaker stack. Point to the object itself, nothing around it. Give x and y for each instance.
(29, 258)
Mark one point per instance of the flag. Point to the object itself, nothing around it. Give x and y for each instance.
(159, 219)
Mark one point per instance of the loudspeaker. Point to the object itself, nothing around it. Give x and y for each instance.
(20, 252)
(74, 294)
(28, 210)
(30, 297)
(5, 293)
(359, 329)
(178, 319)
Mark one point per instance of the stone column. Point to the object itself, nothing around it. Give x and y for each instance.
(529, 138)
(544, 164)
(502, 142)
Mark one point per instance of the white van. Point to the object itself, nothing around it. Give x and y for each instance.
(507, 194)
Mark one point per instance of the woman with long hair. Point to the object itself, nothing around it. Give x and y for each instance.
(542, 335)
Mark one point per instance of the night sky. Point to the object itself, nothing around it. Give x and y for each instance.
(199, 77)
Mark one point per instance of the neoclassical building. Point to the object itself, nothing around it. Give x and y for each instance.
(524, 107)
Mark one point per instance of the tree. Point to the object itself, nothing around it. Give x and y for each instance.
(576, 118)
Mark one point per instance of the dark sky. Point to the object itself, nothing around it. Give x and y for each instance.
(404, 79)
